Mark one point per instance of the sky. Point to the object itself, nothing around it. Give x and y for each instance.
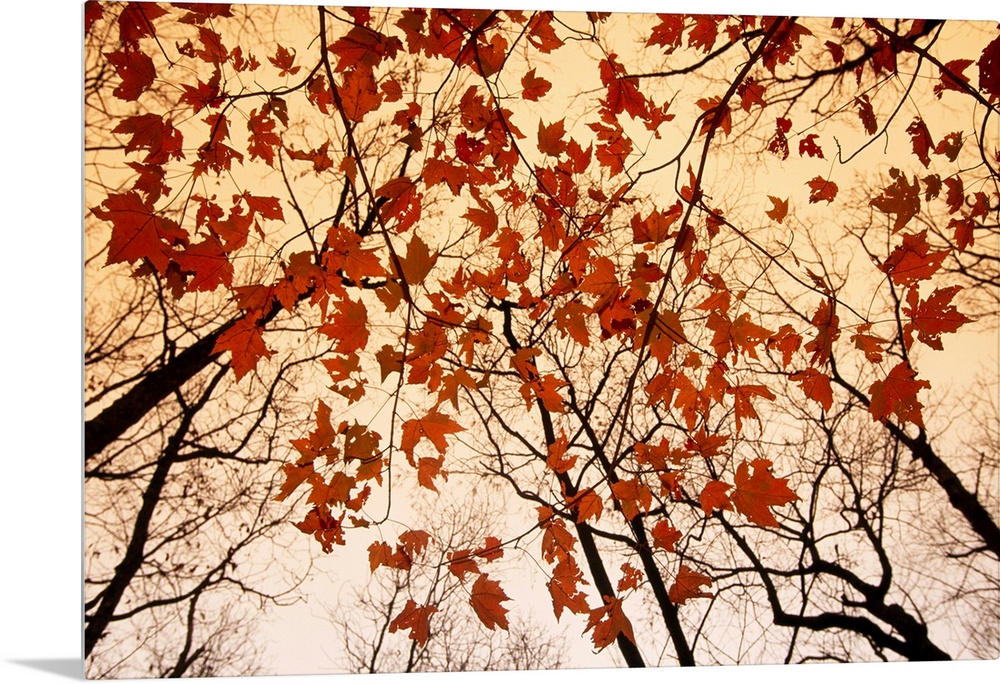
(41, 624)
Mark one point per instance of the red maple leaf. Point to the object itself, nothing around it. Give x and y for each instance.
(933, 317)
(327, 530)
(687, 585)
(534, 87)
(913, 260)
(821, 189)
(778, 210)
(136, 71)
(461, 563)
(587, 504)
(564, 590)
(414, 542)
(630, 579)
(816, 385)
(416, 619)
(138, 231)
(897, 394)
(808, 146)
(866, 113)
(150, 132)
(778, 144)
(827, 332)
(550, 138)
(434, 426)
(359, 94)
(901, 198)
(244, 341)
(755, 494)
(486, 598)
(714, 498)
(665, 535)
(608, 621)
(989, 70)
(632, 495)
(207, 263)
(921, 140)
(349, 327)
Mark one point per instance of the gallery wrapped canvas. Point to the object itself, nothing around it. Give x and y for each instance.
(448, 339)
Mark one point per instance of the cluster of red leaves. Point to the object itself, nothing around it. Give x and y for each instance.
(484, 156)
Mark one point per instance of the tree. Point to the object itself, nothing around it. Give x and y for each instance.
(382, 633)
(688, 384)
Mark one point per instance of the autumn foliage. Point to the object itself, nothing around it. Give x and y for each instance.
(596, 286)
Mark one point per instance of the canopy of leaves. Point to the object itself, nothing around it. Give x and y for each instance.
(602, 289)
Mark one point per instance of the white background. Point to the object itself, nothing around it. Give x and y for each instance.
(40, 253)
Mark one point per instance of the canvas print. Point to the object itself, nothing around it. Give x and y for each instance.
(449, 339)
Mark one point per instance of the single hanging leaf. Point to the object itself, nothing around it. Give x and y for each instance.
(416, 619)
(778, 210)
(434, 426)
(989, 70)
(897, 395)
(631, 578)
(486, 599)
(714, 498)
(921, 140)
(688, 585)
(138, 231)
(755, 494)
(913, 260)
(821, 190)
(244, 340)
(901, 198)
(136, 71)
(866, 113)
(816, 386)
(534, 87)
(608, 621)
(665, 536)
(550, 138)
(564, 590)
(809, 147)
(933, 317)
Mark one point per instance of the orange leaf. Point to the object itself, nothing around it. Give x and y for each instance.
(416, 619)
(461, 563)
(435, 426)
(779, 209)
(821, 190)
(587, 505)
(866, 113)
(688, 585)
(756, 494)
(418, 261)
(486, 598)
(913, 260)
(563, 588)
(631, 577)
(932, 317)
(632, 494)
(247, 345)
(713, 497)
(414, 542)
(816, 385)
(897, 394)
(550, 138)
(665, 536)
(900, 198)
(138, 231)
(608, 622)
(920, 137)
(534, 87)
